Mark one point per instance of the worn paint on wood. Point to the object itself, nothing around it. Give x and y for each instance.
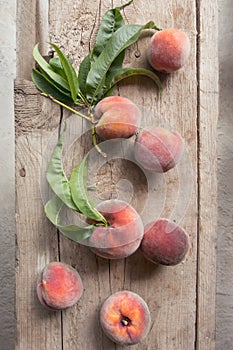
(180, 298)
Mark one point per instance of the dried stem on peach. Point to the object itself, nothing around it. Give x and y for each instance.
(125, 318)
(168, 50)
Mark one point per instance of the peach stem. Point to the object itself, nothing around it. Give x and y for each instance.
(94, 140)
(67, 107)
(125, 321)
(89, 118)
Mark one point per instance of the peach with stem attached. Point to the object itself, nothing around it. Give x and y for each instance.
(168, 50)
(123, 234)
(116, 117)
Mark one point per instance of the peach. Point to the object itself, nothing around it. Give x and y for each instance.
(116, 117)
(59, 286)
(125, 318)
(164, 243)
(168, 50)
(158, 149)
(123, 235)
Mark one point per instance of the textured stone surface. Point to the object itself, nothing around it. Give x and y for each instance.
(7, 182)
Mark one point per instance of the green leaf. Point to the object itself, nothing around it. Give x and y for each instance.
(78, 187)
(111, 22)
(76, 233)
(82, 74)
(55, 63)
(120, 40)
(56, 177)
(116, 66)
(59, 80)
(130, 72)
(47, 86)
(69, 72)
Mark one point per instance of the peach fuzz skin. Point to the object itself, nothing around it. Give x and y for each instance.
(116, 117)
(123, 235)
(125, 318)
(165, 243)
(59, 286)
(168, 50)
(158, 149)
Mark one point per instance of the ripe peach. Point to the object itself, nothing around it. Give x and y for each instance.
(125, 318)
(123, 235)
(117, 117)
(168, 50)
(164, 243)
(158, 149)
(59, 286)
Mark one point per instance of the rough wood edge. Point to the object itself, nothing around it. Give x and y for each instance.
(207, 124)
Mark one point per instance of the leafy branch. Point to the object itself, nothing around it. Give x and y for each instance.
(71, 193)
(99, 72)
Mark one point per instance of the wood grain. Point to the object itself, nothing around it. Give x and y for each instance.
(180, 298)
(208, 116)
(36, 241)
(134, 273)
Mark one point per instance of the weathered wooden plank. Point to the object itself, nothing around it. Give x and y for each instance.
(32, 27)
(170, 292)
(36, 243)
(174, 324)
(208, 116)
(26, 37)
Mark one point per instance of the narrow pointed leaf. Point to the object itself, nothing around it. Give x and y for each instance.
(130, 72)
(124, 5)
(48, 87)
(120, 40)
(78, 187)
(111, 21)
(48, 70)
(82, 74)
(55, 63)
(76, 233)
(69, 72)
(116, 66)
(56, 177)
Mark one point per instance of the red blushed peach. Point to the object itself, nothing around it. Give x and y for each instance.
(158, 149)
(164, 243)
(59, 286)
(117, 117)
(125, 318)
(168, 50)
(123, 235)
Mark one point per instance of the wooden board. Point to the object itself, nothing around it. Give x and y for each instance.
(180, 298)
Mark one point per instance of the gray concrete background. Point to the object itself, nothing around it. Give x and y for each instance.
(7, 166)
(224, 305)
